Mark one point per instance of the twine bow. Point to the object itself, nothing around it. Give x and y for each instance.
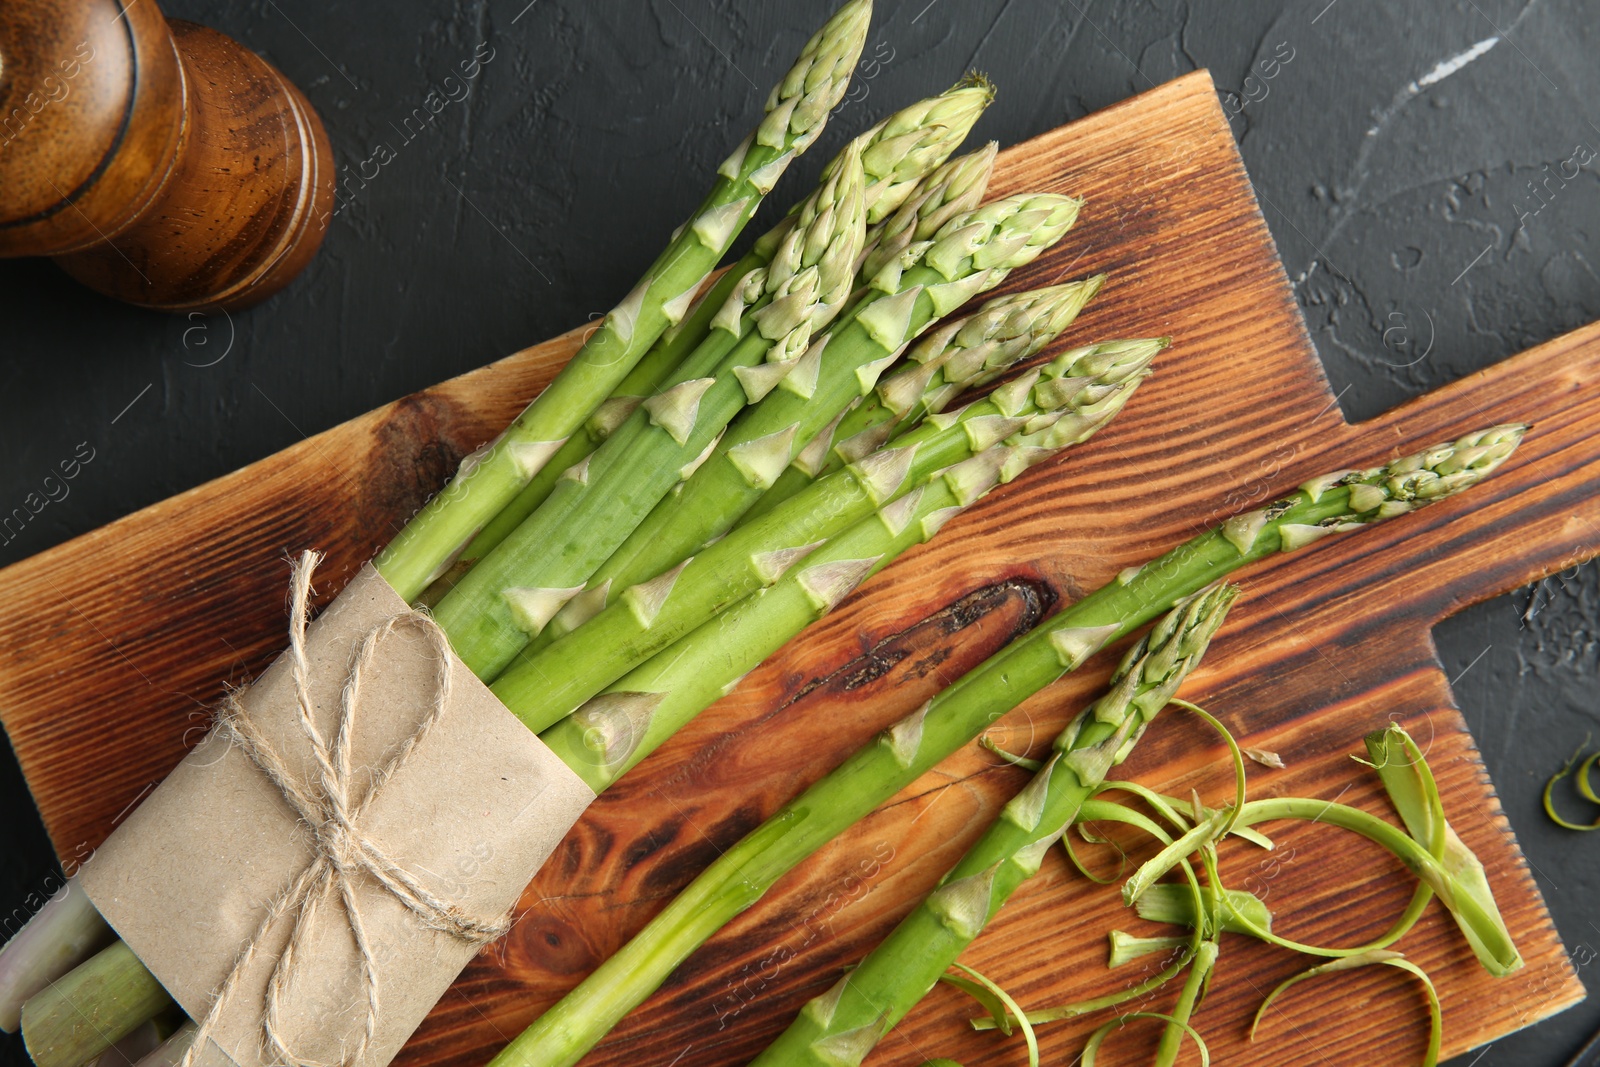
(332, 809)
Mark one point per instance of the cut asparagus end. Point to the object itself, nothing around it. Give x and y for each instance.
(91, 1008)
(64, 933)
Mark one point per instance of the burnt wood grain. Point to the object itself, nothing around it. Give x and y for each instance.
(118, 640)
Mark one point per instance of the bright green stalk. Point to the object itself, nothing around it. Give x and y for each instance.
(973, 253)
(90, 1009)
(897, 156)
(796, 111)
(961, 354)
(742, 875)
(1178, 1021)
(842, 1025)
(612, 732)
(547, 685)
(513, 592)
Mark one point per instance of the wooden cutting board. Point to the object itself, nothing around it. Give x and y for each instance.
(113, 645)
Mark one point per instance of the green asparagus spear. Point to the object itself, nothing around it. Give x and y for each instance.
(971, 254)
(612, 732)
(796, 111)
(954, 189)
(551, 683)
(513, 592)
(960, 355)
(739, 877)
(897, 155)
(842, 1025)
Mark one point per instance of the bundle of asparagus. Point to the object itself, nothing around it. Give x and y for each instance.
(892, 240)
(971, 254)
(1343, 501)
(907, 192)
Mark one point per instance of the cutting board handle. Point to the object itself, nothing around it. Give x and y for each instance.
(1538, 515)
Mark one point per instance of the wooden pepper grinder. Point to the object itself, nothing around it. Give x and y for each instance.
(157, 162)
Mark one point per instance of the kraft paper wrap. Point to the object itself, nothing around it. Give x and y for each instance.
(470, 814)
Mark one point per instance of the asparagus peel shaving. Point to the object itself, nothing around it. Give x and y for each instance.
(988, 993)
(513, 592)
(796, 112)
(971, 254)
(1585, 789)
(897, 156)
(1463, 887)
(1426, 847)
(1047, 409)
(740, 876)
(1381, 957)
(1091, 1048)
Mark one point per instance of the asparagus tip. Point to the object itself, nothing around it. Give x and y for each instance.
(976, 79)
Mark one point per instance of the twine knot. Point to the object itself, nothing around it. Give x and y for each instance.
(331, 806)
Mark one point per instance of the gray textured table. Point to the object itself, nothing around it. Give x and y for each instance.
(1431, 173)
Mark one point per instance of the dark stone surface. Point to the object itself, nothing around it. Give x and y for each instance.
(1400, 191)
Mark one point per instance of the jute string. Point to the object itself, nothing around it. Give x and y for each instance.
(330, 808)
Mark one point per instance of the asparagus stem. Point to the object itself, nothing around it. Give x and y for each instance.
(796, 112)
(94, 1006)
(742, 874)
(971, 254)
(514, 591)
(960, 355)
(1052, 401)
(856, 1013)
(65, 932)
(612, 732)
(1177, 1027)
(896, 156)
